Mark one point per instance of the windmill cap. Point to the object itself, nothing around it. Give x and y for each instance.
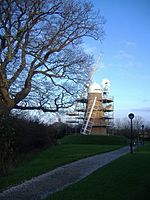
(95, 88)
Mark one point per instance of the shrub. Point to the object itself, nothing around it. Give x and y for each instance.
(7, 145)
(19, 136)
(32, 135)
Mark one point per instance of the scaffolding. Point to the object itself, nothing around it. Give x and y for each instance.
(95, 113)
(75, 116)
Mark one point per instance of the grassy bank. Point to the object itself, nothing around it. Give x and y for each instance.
(94, 139)
(125, 178)
(59, 155)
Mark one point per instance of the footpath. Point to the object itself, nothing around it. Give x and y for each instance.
(40, 187)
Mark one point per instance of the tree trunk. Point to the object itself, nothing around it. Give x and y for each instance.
(5, 110)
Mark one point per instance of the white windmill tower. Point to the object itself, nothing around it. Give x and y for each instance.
(99, 106)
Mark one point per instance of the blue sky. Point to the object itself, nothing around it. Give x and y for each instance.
(125, 54)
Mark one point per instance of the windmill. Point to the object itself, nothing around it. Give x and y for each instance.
(99, 111)
(94, 108)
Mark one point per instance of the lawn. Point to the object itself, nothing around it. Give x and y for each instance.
(52, 158)
(127, 178)
(94, 139)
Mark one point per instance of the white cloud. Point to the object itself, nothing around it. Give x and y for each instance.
(145, 109)
(142, 112)
(129, 44)
(127, 59)
(126, 54)
(121, 54)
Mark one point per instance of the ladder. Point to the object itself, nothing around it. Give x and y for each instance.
(89, 118)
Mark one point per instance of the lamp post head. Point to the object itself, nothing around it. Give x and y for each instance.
(131, 116)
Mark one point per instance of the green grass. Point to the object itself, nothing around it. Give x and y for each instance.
(50, 159)
(94, 139)
(127, 178)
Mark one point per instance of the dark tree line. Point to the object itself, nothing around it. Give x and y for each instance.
(19, 136)
(123, 127)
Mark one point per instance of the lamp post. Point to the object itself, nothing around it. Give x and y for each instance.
(143, 133)
(131, 116)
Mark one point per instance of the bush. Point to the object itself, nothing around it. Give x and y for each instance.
(32, 135)
(7, 145)
(19, 136)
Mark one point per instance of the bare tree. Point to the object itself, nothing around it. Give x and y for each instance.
(137, 123)
(42, 64)
(122, 126)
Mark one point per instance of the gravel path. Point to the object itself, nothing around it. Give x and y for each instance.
(42, 186)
